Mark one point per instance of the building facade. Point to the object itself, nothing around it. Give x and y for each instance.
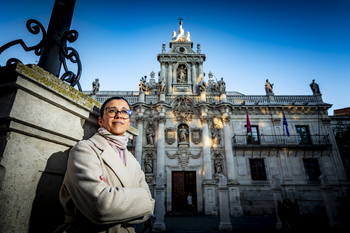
(192, 132)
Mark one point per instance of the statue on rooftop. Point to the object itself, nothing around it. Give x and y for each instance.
(222, 85)
(315, 88)
(95, 87)
(268, 87)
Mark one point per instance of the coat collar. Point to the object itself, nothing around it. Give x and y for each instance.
(112, 160)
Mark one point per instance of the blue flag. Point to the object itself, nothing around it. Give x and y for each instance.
(286, 124)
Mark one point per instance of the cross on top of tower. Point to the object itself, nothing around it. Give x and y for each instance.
(180, 20)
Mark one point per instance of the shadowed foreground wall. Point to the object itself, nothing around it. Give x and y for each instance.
(41, 118)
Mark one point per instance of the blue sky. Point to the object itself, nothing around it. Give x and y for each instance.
(289, 42)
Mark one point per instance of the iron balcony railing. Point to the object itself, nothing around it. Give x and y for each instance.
(271, 140)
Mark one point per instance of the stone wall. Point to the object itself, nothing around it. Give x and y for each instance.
(41, 118)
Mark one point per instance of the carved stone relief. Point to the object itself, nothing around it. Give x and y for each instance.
(183, 109)
(149, 157)
(196, 135)
(170, 135)
(183, 157)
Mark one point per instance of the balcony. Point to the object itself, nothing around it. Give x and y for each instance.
(281, 141)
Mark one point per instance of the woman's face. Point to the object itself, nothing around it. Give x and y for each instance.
(117, 125)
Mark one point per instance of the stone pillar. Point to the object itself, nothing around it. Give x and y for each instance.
(231, 174)
(159, 196)
(170, 77)
(329, 202)
(194, 78)
(209, 183)
(138, 144)
(277, 196)
(200, 73)
(160, 144)
(225, 224)
(206, 148)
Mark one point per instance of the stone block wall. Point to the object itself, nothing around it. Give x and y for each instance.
(41, 118)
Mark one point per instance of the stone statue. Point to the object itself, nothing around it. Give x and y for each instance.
(215, 134)
(143, 84)
(183, 134)
(268, 87)
(161, 84)
(150, 135)
(315, 88)
(182, 75)
(95, 87)
(218, 166)
(222, 85)
(188, 36)
(174, 34)
(149, 165)
(202, 85)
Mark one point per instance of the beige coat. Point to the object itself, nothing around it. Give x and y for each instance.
(93, 206)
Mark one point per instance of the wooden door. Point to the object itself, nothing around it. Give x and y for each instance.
(183, 183)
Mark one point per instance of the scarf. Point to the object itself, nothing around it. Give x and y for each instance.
(118, 143)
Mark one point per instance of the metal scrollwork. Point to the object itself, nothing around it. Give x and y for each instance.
(73, 56)
(34, 29)
(68, 52)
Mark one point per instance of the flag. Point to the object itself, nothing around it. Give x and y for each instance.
(249, 129)
(286, 124)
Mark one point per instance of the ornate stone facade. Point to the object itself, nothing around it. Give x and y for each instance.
(195, 126)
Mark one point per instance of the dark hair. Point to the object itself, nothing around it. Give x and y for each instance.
(102, 109)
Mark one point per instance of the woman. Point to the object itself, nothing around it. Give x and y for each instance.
(104, 189)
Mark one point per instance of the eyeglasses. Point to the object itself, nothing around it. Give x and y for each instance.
(113, 112)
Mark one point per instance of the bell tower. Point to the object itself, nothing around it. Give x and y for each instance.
(181, 67)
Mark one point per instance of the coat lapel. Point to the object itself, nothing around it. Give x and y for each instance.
(112, 160)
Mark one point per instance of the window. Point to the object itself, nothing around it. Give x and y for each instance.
(303, 134)
(312, 169)
(253, 137)
(257, 169)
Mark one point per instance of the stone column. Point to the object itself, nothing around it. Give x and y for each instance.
(200, 73)
(159, 196)
(206, 148)
(329, 202)
(138, 144)
(209, 183)
(170, 77)
(225, 224)
(234, 194)
(160, 143)
(277, 196)
(194, 78)
(228, 147)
